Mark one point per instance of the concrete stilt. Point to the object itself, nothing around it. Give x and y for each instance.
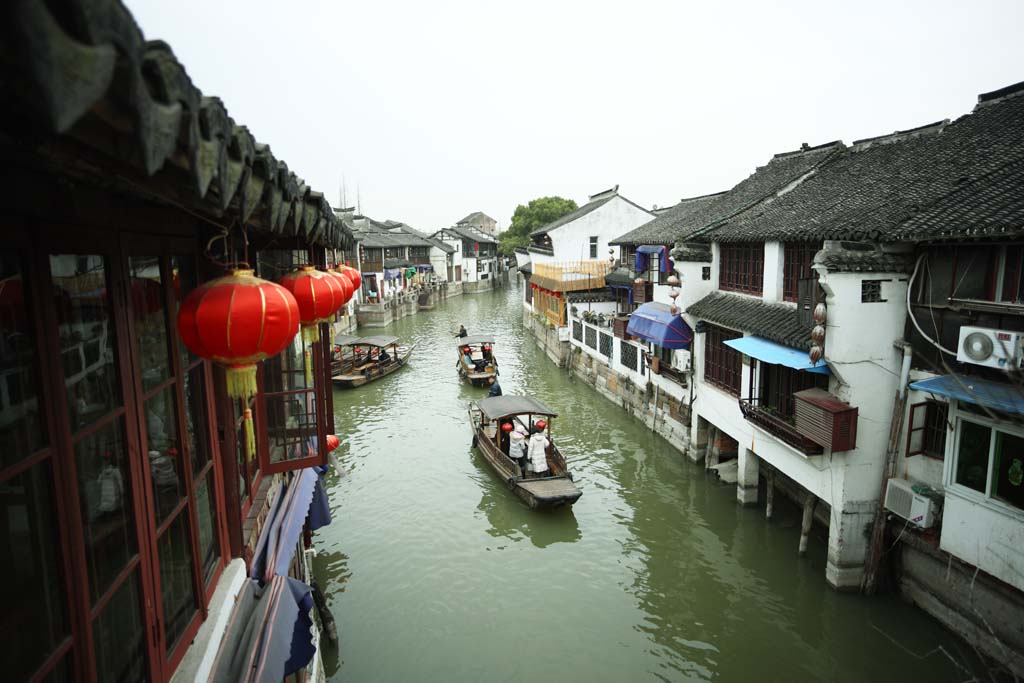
(710, 455)
(747, 477)
(805, 525)
(769, 493)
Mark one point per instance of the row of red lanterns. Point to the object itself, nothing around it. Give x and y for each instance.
(239, 320)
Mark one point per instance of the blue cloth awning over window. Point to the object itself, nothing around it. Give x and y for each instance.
(643, 253)
(392, 273)
(777, 354)
(1000, 396)
(423, 267)
(283, 526)
(655, 323)
(269, 633)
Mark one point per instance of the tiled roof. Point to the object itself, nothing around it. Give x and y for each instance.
(87, 65)
(662, 229)
(537, 249)
(777, 322)
(856, 260)
(962, 171)
(694, 252)
(473, 235)
(473, 216)
(619, 276)
(597, 202)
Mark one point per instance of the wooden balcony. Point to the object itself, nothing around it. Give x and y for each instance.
(764, 417)
(570, 276)
(643, 292)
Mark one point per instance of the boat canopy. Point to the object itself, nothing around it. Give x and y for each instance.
(497, 407)
(475, 339)
(656, 323)
(379, 340)
(345, 340)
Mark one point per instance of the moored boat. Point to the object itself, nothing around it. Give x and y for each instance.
(359, 360)
(554, 488)
(476, 362)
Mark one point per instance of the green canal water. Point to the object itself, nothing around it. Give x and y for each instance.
(436, 572)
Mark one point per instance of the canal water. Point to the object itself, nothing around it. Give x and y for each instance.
(435, 571)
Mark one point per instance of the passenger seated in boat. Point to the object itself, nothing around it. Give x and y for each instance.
(537, 455)
(384, 356)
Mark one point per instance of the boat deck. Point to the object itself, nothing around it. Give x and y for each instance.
(551, 488)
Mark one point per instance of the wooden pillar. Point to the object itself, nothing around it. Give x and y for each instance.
(805, 525)
(769, 494)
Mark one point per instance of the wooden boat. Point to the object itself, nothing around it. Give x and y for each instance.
(484, 365)
(357, 360)
(556, 489)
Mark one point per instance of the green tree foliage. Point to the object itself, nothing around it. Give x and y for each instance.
(527, 218)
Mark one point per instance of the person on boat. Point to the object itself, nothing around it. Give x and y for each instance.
(517, 449)
(462, 332)
(537, 453)
(467, 358)
(384, 356)
(506, 434)
(486, 352)
(495, 387)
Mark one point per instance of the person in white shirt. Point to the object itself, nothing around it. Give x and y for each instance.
(537, 454)
(517, 449)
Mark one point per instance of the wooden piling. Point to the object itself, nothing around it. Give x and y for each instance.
(805, 526)
(712, 435)
(769, 498)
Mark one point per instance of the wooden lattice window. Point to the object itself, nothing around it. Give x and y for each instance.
(722, 364)
(926, 433)
(741, 268)
(797, 258)
(779, 383)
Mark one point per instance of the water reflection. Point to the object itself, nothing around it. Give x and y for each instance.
(542, 528)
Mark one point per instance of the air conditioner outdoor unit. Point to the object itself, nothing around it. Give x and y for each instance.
(901, 500)
(1001, 349)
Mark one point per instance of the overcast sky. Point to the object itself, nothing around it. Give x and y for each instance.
(433, 110)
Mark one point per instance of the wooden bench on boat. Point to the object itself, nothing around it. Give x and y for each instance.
(356, 360)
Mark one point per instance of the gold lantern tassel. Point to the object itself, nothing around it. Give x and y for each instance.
(309, 368)
(311, 333)
(250, 434)
(241, 381)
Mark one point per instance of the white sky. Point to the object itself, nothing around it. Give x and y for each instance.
(437, 109)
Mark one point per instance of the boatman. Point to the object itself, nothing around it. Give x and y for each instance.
(495, 387)
(537, 452)
(462, 332)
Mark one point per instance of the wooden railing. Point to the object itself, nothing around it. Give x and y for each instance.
(754, 412)
(570, 276)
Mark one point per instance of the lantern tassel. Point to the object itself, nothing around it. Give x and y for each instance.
(250, 434)
(241, 381)
(311, 333)
(309, 368)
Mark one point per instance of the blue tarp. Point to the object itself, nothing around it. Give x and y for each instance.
(283, 527)
(269, 633)
(646, 250)
(1000, 396)
(655, 323)
(423, 267)
(392, 273)
(777, 354)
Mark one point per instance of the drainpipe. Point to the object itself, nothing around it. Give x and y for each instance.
(873, 561)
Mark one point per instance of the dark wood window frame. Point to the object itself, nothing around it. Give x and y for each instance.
(723, 365)
(741, 267)
(797, 258)
(928, 427)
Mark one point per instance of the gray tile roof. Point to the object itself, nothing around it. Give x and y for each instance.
(662, 229)
(962, 171)
(694, 252)
(471, 234)
(619, 276)
(473, 216)
(858, 260)
(777, 322)
(597, 202)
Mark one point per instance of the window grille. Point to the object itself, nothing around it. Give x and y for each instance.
(577, 330)
(779, 383)
(591, 337)
(629, 356)
(722, 364)
(871, 291)
(796, 265)
(741, 268)
(606, 344)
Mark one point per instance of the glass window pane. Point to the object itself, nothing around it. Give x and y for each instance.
(1008, 469)
(21, 430)
(86, 332)
(105, 490)
(184, 280)
(972, 458)
(243, 462)
(176, 576)
(119, 635)
(291, 426)
(147, 299)
(290, 370)
(32, 592)
(164, 454)
(195, 417)
(206, 511)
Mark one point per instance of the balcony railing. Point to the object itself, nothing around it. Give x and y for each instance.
(675, 374)
(762, 416)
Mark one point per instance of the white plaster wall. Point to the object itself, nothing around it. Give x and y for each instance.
(571, 242)
(692, 287)
(918, 468)
(439, 259)
(989, 539)
(774, 254)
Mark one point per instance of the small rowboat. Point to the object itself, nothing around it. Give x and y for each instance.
(481, 365)
(359, 360)
(552, 489)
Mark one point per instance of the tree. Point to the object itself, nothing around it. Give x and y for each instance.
(538, 213)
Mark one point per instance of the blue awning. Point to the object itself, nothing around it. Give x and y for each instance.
(647, 250)
(655, 323)
(283, 527)
(1000, 396)
(269, 632)
(777, 354)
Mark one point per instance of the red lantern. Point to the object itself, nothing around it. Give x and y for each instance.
(332, 442)
(237, 321)
(319, 295)
(346, 285)
(353, 275)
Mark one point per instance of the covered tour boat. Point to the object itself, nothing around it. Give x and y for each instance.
(476, 362)
(358, 360)
(489, 417)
